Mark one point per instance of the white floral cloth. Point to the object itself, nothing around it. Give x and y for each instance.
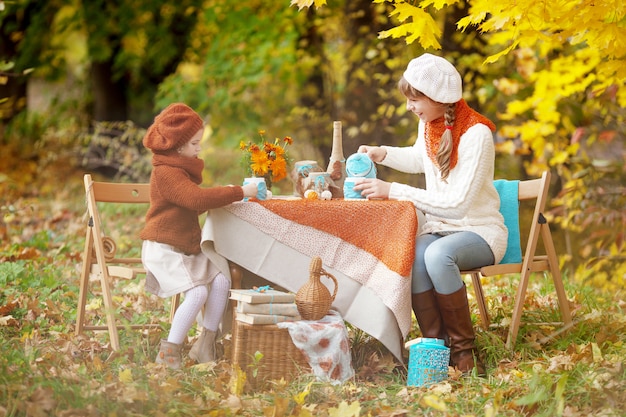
(325, 345)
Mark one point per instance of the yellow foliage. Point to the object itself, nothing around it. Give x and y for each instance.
(507, 86)
(507, 147)
(135, 43)
(190, 72)
(562, 51)
(438, 4)
(422, 26)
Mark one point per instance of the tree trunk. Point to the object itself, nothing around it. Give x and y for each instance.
(109, 98)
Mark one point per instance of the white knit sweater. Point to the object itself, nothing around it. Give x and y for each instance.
(468, 201)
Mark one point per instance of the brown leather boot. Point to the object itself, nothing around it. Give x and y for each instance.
(427, 313)
(456, 318)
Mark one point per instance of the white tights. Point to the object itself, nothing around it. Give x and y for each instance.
(213, 301)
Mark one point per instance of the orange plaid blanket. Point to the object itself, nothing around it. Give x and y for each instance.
(384, 228)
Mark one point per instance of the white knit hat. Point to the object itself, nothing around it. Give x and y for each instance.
(435, 77)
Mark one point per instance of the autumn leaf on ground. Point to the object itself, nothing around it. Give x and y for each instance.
(300, 397)
(126, 376)
(345, 410)
(433, 401)
(6, 309)
(237, 381)
(279, 409)
(41, 402)
(233, 402)
(8, 321)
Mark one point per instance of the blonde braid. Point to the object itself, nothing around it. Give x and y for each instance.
(446, 143)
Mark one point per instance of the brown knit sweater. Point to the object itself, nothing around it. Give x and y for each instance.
(176, 201)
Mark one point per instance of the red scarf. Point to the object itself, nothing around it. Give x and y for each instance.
(466, 117)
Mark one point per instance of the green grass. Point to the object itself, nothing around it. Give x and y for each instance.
(46, 370)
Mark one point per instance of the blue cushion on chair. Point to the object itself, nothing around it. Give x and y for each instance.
(509, 208)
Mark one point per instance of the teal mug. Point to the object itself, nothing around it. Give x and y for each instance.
(349, 193)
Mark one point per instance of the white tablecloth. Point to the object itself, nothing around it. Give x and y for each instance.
(280, 251)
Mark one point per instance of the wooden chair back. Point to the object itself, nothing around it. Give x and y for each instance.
(536, 189)
(100, 260)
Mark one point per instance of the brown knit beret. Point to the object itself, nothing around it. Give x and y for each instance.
(172, 128)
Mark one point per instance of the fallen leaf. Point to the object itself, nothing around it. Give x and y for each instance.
(8, 308)
(126, 376)
(433, 401)
(345, 410)
(41, 402)
(233, 402)
(8, 321)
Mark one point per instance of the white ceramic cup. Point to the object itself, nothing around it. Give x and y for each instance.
(260, 184)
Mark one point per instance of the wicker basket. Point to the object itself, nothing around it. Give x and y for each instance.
(281, 358)
(313, 298)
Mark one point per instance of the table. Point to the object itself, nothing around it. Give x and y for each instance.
(368, 246)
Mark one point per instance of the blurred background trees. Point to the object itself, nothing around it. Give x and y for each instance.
(82, 80)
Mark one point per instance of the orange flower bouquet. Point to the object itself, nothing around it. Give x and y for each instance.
(266, 159)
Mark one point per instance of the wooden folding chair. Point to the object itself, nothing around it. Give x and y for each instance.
(99, 257)
(531, 262)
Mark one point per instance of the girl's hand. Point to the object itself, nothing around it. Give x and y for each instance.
(250, 190)
(372, 188)
(375, 153)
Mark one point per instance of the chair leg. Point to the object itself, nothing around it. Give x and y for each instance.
(566, 314)
(236, 275)
(174, 306)
(480, 300)
(109, 308)
(516, 317)
(84, 283)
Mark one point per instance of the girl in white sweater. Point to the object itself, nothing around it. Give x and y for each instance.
(464, 228)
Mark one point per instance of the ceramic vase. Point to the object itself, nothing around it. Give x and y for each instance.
(337, 162)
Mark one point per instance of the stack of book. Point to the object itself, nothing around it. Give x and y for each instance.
(264, 306)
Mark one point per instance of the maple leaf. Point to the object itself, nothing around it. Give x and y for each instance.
(307, 3)
(422, 26)
(438, 4)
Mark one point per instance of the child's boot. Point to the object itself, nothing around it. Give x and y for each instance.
(169, 354)
(203, 350)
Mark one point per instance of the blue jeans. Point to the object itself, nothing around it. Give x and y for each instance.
(440, 258)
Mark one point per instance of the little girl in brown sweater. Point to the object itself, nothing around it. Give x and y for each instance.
(171, 251)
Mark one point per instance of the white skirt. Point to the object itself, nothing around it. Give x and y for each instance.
(169, 271)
